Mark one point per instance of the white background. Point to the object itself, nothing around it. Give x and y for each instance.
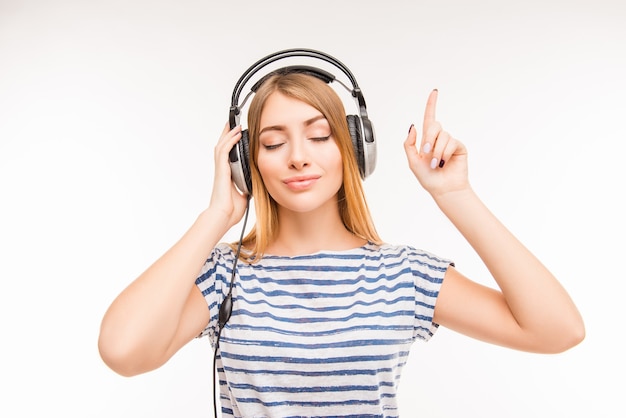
(109, 111)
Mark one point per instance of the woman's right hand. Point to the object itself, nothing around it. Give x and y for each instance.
(226, 199)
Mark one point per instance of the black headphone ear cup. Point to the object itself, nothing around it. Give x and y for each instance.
(245, 159)
(239, 159)
(354, 127)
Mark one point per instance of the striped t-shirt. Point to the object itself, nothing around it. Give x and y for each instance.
(320, 335)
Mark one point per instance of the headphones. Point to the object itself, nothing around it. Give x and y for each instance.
(360, 127)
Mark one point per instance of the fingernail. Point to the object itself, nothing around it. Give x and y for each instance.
(411, 127)
(426, 148)
(433, 163)
(441, 163)
(436, 90)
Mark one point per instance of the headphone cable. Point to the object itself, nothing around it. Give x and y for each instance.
(226, 308)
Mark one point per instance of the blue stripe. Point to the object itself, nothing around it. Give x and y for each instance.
(342, 416)
(320, 333)
(338, 344)
(315, 373)
(318, 404)
(310, 295)
(311, 320)
(327, 308)
(371, 253)
(304, 360)
(345, 416)
(315, 280)
(305, 389)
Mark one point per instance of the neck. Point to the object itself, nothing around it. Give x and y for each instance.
(306, 233)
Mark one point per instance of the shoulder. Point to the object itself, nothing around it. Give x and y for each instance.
(404, 251)
(223, 249)
(221, 255)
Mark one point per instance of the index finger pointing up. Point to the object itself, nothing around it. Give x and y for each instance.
(431, 104)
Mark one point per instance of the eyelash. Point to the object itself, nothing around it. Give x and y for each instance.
(315, 139)
(320, 138)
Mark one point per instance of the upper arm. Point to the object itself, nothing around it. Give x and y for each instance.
(193, 320)
(479, 312)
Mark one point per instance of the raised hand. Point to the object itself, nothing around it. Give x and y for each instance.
(440, 163)
(225, 196)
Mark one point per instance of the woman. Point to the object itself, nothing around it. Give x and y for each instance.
(324, 312)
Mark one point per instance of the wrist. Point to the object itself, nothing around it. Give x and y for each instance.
(458, 204)
(216, 221)
(454, 198)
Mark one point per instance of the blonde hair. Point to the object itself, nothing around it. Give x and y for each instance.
(353, 208)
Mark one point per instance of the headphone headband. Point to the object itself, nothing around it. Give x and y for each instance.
(325, 76)
(287, 53)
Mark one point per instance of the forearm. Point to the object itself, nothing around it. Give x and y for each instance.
(537, 301)
(141, 323)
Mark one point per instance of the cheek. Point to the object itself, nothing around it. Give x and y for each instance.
(333, 159)
(333, 166)
(267, 168)
(262, 161)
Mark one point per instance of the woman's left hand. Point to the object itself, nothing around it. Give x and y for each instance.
(440, 163)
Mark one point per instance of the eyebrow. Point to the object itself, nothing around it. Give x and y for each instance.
(307, 122)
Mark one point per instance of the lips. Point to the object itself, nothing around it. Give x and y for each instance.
(301, 182)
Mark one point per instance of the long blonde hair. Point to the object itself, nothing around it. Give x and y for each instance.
(353, 208)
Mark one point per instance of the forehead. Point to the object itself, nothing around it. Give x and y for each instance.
(280, 109)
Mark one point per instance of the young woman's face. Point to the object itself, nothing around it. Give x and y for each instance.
(299, 161)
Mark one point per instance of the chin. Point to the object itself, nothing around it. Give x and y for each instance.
(308, 204)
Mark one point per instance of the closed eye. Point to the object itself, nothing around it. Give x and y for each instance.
(270, 147)
(320, 138)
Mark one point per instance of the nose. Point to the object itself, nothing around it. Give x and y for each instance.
(298, 156)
